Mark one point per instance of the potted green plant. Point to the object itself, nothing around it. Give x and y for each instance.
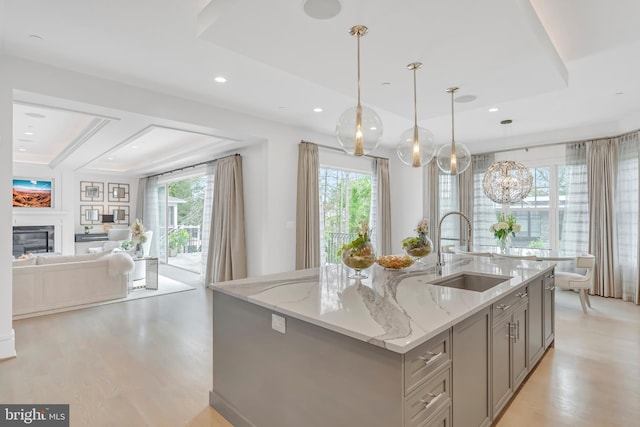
(177, 239)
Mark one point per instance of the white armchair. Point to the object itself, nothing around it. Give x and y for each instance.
(580, 282)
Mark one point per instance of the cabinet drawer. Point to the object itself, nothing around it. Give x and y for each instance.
(420, 405)
(505, 306)
(422, 361)
(440, 419)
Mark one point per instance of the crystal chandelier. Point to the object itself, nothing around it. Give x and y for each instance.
(416, 147)
(359, 129)
(455, 158)
(507, 181)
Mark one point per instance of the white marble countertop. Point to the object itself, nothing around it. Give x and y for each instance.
(396, 310)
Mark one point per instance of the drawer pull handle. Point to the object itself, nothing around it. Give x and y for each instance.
(522, 295)
(512, 334)
(517, 330)
(550, 288)
(432, 356)
(434, 397)
(503, 307)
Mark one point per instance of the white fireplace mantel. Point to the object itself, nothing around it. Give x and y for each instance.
(61, 220)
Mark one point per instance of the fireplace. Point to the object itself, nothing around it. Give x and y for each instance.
(32, 239)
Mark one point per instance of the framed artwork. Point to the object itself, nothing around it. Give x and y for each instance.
(120, 214)
(118, 193)
(91, 214)
(32, 193)
(91, 191)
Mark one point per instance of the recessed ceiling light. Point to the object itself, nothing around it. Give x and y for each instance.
(35, 115)
(28, 133)
(109, 158)
(22, 149)
(133, 147)
(318, 110)
(322, 9)
(493, 110)
(373, 128)
(24, 140)
(220, 79)
(466, 98)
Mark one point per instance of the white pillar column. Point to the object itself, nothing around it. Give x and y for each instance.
(7, 338)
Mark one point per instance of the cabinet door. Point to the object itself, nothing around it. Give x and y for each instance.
(535, 336)
(471, 367)
(519, 356)
(549, 298)
(501, 364)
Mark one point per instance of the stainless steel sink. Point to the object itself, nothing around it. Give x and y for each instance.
(471, 281)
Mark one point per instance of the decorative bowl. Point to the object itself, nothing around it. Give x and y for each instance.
(395, 262)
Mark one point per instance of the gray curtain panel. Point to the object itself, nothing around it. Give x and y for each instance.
(227, 247)
(308, 207)
(431, 206)
(628, 215)
(601, 172)
(383, 206)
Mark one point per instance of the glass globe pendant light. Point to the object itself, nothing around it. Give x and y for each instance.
(507, 181)
(416, 147)
(359, 129)
(455, 158)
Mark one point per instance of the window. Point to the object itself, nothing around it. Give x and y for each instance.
(540, 214)
(345, 202)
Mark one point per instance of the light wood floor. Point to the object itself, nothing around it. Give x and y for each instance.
(148, 363)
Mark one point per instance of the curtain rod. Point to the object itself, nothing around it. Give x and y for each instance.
(552, 144)
(190, 166)
(326, 147)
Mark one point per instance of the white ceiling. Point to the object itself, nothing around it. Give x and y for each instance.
(561, 70)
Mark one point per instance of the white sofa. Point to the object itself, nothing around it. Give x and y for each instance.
(47, 284)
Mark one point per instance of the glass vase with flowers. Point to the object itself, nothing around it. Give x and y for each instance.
(419, 246)
(504, 230)
(359, 253)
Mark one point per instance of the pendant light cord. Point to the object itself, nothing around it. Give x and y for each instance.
(415, 99)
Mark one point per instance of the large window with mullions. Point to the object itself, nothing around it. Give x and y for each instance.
(540, 214)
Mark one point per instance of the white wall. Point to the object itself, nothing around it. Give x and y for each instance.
(7, 340)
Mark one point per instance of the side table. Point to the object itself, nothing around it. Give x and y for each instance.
(151, 273)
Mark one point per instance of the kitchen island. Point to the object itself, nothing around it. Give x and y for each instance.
(315, 348)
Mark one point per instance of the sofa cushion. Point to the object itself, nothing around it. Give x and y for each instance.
(111, 245)
(67, 258)
(24, 262)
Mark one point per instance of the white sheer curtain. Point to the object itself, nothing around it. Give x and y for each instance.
(380, 216)
(484, 210)
(153, 215)
(207, 210)
(628, 216)
(574, 238)
(308, 241)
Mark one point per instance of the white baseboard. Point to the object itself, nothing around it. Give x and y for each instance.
(8, 345)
